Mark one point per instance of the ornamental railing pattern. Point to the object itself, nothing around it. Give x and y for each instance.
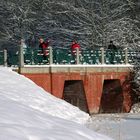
(34, 56)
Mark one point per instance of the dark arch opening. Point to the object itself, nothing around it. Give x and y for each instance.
(112, 97)
(74, 93)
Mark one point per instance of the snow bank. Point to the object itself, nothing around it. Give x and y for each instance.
(27, 112)
(22, 90)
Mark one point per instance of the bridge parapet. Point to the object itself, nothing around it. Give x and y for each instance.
(75, 68)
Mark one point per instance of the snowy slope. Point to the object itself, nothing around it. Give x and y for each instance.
(27, 112)
(20, 89)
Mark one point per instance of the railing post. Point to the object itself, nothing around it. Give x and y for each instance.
(102, 56)
(32, 57)
(77, 56)
(21, 55)
(126, 56)
(50, 55)
(5, 57)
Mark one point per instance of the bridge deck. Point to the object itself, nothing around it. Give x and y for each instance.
(75, 68)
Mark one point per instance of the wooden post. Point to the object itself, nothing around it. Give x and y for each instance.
(77, 56)
(5, 57)
(102, 56)
(32, 57)
(50, 55)
(126, 56)
(21, 55)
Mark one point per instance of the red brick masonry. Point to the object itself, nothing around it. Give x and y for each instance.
(93, 85)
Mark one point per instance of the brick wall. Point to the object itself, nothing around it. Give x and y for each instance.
(93, 85)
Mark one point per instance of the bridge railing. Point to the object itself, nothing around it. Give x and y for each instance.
(3, 57)
(34, 56)
(83, 56)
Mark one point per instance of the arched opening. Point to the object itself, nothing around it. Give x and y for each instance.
(74, 94)
(112, 97)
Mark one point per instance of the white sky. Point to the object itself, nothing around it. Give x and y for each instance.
(27, 112)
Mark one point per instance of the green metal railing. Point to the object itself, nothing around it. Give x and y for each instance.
(1, 57)
(13, 58)
(86, 56)
(33, 56)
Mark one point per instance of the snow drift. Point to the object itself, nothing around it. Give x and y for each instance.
(27, 112)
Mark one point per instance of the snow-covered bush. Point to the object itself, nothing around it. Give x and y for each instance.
(135, 108)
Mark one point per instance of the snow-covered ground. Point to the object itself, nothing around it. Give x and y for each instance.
(27, 112)
(117, 126)
(124, 126)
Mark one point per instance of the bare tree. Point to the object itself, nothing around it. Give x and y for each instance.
(17, 19)
(92, 23)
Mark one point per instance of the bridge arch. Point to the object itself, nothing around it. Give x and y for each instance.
(74, 93)
(112, 97)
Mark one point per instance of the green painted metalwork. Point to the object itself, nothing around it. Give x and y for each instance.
(12, 58)
(1, 57)
(33, 56)
(86, 56)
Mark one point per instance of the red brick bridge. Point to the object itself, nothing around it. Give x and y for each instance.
(92, 88)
